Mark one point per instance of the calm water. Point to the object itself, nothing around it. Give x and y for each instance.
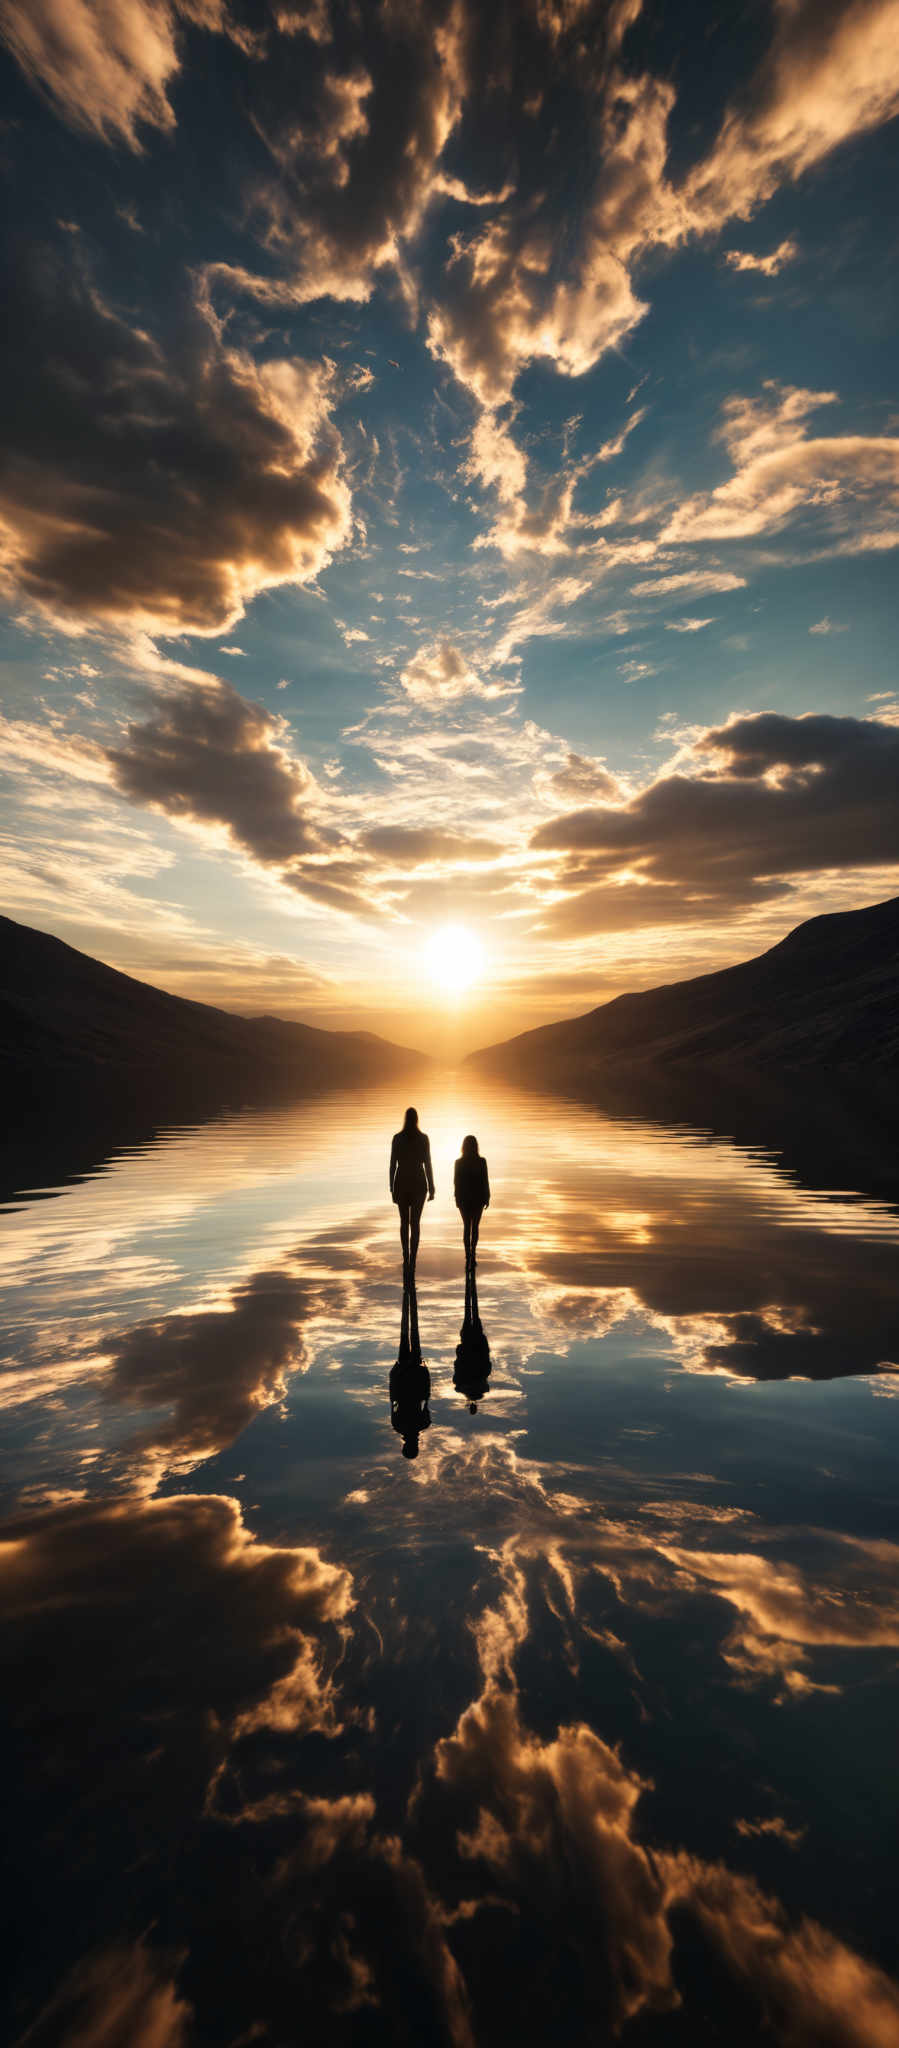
(579, 1724)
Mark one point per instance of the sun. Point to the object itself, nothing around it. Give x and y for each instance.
(455, 958)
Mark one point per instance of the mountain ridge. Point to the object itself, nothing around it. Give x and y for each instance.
(69, 1020)
(825, 995)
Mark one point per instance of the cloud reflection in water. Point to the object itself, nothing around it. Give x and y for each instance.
(403, 1742)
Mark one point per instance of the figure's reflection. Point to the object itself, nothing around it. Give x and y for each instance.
(410, 1380)
(471, 1373)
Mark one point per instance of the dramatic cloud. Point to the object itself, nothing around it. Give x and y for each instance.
(123, 1994)
(767, 266)
(167, 1620)
(781, 472)
(807, 1986)
(512, 295)
(755, 1301)
(537, 617)
(207, 754)
(153, 486)
(213, 1368)
(441, 674)
(501, 310)
(97, 1578)
(510, 181)
(769, 796)
(416, 845)
(358, 142)
(831, 72)
(582, 778)
(542, 520)
(515, 293)
(702, 581)
(356, 152)
(775, 1826)
(106, 67)
(551, 1824)
(782, 1613)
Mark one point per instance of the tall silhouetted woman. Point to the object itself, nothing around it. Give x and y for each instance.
(472, 1189)
(410, 1176)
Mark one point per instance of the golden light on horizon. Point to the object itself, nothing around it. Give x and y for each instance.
(455, 958)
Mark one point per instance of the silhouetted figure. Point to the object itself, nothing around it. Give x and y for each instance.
(471, 1373)
(410, 1380)
(472, 1190)
(411, 1176)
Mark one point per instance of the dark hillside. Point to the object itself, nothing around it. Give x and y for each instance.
(70, 1026)
(826, 997)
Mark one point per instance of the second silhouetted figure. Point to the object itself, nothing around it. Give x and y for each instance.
(472, 1191)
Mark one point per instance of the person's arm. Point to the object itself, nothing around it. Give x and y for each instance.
(486, 1187)
(456, 1183)
(394, 1162)
(429, 1170)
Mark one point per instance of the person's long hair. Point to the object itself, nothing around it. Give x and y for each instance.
(470, 1146)
(410, 1121)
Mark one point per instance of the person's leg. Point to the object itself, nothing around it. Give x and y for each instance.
(475, 1228)
(404, 1208)
(466, 1235)
(415, 1220)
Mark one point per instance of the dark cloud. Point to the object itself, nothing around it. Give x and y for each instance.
(551, 1821)
(325, 886)
(122, 1996)
(775, 797)
(121, 1612)
(752, 746)
(213, 1369)
(156, 485)
(408, 845)
(355, 132)
(634, 906)
(359, 128)
(149, 1638)
(581, 778)
(752, 1299)
(208, 754)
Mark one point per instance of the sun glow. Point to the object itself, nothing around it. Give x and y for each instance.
(455, 958)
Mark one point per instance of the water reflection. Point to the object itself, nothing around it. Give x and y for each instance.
(580, 1722)
(471, 1372)
(410, 1381)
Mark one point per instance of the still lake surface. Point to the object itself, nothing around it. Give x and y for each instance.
(581, 1723)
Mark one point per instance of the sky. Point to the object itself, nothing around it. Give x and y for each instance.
(450, 494)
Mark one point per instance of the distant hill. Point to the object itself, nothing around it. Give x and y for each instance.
(71, 1027)
(826, 997)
